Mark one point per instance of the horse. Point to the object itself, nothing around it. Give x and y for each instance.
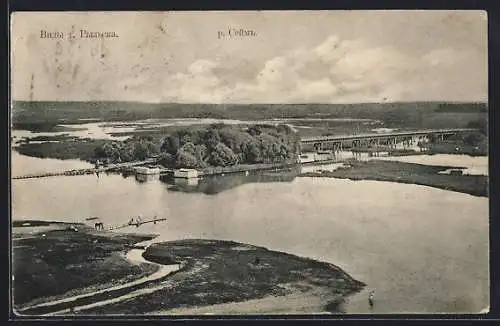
(99, 226)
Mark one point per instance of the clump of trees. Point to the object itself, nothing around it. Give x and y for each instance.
(132, 149)
(218, 145)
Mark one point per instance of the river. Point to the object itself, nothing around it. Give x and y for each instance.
(423, 250)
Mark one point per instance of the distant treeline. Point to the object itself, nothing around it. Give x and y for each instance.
(73, 112)
(463, 107)
(217, 145)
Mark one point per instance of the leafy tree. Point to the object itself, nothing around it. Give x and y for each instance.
(212, 138)
(186, 160)
(167, 159)
(184, 137)
(140, 151)
(127, 154)
(189, 147)
(222, 155)
(252, 152)
(153, 147)
(201, 153)
(171, 144)
(254, 130)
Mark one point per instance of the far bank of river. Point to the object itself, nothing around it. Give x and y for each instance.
(421, 249)
(409, 173)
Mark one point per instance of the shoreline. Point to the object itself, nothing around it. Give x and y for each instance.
(192, 280)
(211, 278)
(408, 173)
(66, 263)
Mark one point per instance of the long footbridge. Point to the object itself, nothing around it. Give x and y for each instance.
(85, 171)
(387, 138)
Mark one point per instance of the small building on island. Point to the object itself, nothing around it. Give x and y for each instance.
(186, 173)
(147, 170)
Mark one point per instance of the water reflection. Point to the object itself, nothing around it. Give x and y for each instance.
(211, 185)
(127, 174)
(141, 178)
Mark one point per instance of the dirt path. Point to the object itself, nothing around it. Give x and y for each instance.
(299, 303)
(135, 257)
(23, 238)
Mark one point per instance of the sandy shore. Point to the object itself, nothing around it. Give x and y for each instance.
(297, 303)
(225, 277)
(211, 277)
(134, 256)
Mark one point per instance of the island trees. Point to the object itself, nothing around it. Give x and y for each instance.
(218, 145)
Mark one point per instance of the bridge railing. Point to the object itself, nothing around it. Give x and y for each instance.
(382, 135)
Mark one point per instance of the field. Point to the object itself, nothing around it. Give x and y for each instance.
(410, 173)
(217, 272)
(64, 262)
(46, 115)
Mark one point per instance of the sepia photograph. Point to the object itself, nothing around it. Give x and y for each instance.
(186, 163)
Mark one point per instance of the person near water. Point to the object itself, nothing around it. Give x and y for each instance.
(135, 221)
(371, 298)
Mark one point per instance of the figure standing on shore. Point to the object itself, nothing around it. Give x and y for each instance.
(371, 298)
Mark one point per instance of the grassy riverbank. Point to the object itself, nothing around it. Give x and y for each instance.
(216, 272)
(63, 262)
(213, 272)
(64, 149)
(410, 173)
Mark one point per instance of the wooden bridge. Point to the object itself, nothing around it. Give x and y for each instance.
(386, 135)
(84, 171)
(389, 138)
(137, 223)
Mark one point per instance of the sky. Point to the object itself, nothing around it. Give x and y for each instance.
(294, 57)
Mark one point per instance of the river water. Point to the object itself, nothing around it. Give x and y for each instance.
(112, 129)
(423, 250)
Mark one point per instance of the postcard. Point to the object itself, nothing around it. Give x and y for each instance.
(249, 163)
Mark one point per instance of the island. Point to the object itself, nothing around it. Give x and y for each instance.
(85, 272)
